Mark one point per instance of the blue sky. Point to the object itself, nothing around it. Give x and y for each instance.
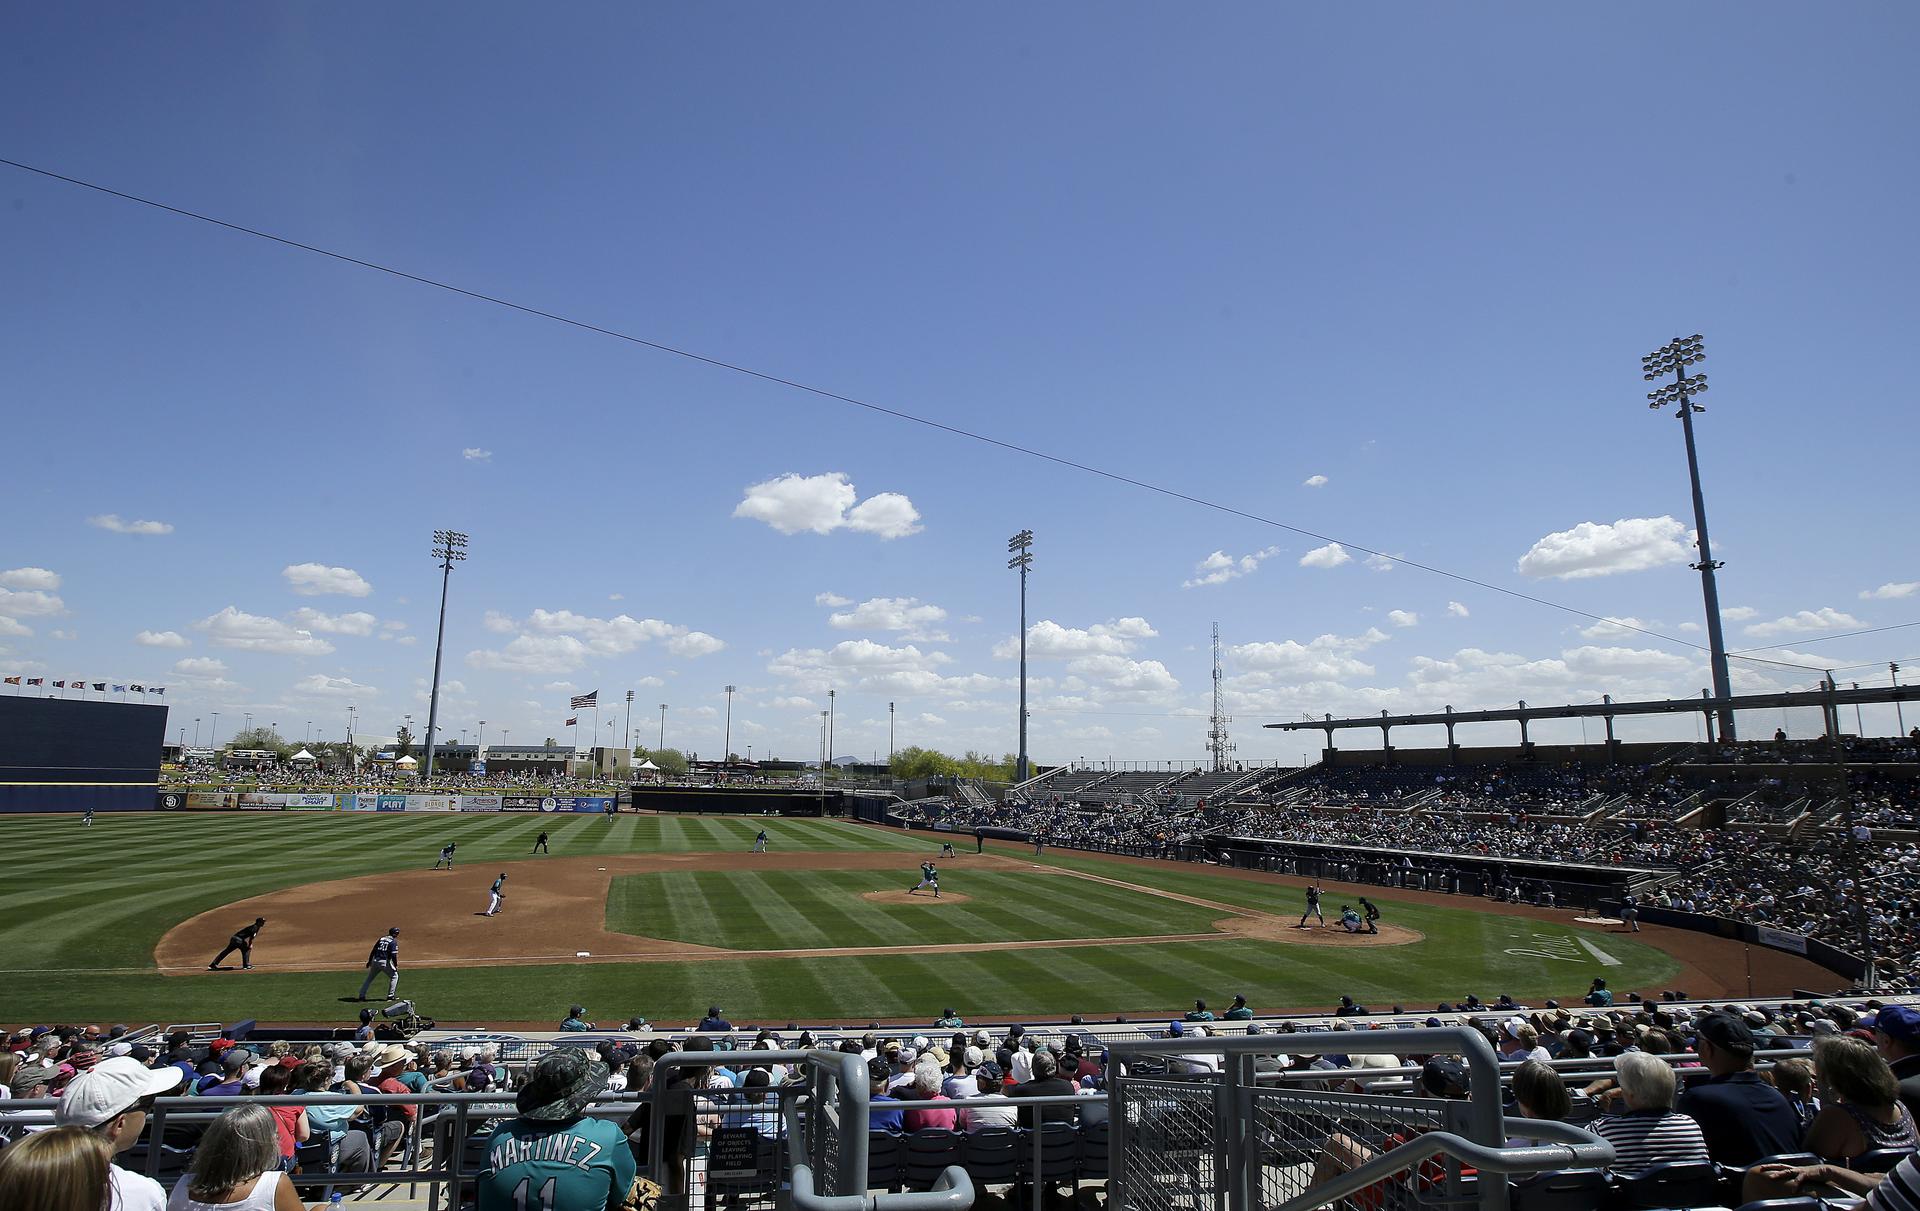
(1415, 252)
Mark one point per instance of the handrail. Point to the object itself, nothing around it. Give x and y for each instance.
(1588, 1152)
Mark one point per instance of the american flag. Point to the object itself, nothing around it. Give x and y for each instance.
(583, 701)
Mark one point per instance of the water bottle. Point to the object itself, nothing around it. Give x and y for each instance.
(334, 1201)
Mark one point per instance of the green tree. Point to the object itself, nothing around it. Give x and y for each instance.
(403, 742)
(916, 762)
(261, 738)
(670, 760)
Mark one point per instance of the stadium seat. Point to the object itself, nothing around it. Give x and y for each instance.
(1059, 1152)
(1674, 1184)
(1880, 1160)
(1561, 1190)
(992, 1155)
(929, 1151)
(1093, 1151)
(1805, 1202)
(886, 1160)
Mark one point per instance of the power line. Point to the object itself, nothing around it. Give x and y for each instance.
(851, 401)
(1792, 643)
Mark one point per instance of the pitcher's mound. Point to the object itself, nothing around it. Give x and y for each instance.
(914, 897)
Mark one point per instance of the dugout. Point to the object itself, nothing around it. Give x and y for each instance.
(742, 801)
(68, 755)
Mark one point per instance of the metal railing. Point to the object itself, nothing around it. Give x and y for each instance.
(1194, 1138)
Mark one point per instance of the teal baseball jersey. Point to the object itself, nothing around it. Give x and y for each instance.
(583, 1165)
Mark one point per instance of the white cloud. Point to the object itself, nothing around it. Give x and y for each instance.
(234, 628)
(115, 523)
(1048, 638)
(1379, 563)
(1886, 592)
(319, 685)
(1403, 618)
(1826, 618)
(694, 644)
(315, 579)
(30, 578)
(1614, 627)
(909, 615)
(475, 454)
(793, 702)
(1739, 613)
(1624, 662)
(1220, 567)
(1632, 544)
(161, 639)
(58, 634)
(1330, 556)
(821, 504)
(359, 623)
(30, 603)
(549, 654)
(1327, 658)
(200, 666)
(616, 596)
(499, 623)
(17, 630)
(1315, 481)
(1122, 676)
(1457, 609)
(831, 599)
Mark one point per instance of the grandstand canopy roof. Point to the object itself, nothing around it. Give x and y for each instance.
(1609, 709)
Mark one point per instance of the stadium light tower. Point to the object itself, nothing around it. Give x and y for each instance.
(1673, 358)
(1021, 545)
(726, 737)
(449, 547)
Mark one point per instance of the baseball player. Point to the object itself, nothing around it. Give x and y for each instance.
(1313, 907)
(540, 843)
(929, 877)
(446, 855)
(1372, 914)
(384, 957)
(496, 894)
(242, 941)
(946, 850)
(86, 821)
(760, 842)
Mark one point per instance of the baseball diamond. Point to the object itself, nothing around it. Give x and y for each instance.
(684, 897)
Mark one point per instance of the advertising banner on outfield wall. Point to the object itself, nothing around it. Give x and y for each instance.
(430, 803)
(208, 801)
(258, 801)
(391, 803)
(576, 803)
(309, 802)
(519, 803)
(1780, 939)
(480, 803)
(365, 801)
(170, 801)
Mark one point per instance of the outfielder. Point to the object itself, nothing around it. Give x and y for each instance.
(242, 941)
(446, 855)
(929, 877)
(540, 843)
(86, 821)
(760, 842)
(384, 957)
(1313, 907)
(496, 894)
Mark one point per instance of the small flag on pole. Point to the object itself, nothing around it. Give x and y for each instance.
(159, 689)
(573, 722)
(13, 681)
(59, 685)
(119, 689)
(136, 689)
(99, 687)
(583, 701)
(36, 681)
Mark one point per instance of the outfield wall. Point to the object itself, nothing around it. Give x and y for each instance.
(72, 755)
(372, 801)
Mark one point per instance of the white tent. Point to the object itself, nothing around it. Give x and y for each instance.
(647, 764)
(303, 755)
(406, 763)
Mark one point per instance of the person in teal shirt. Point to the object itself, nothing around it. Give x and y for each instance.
(949, 1020)
(1238, 1011)
(552, 1157)
(1199, 1013)
(577, 1019)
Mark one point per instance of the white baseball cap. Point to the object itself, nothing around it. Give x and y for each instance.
(109, 1089)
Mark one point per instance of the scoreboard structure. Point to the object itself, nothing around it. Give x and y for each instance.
(67, 755)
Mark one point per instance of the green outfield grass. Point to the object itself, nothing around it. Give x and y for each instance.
(805, 909)
(84, 909)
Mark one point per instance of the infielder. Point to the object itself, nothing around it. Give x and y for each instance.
(540, 843)
(946, 850)
(760, 842)
(496, 894)
(384, 957)
(1313, 907)
(242, 941)
(446, 855)
(929, 877)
